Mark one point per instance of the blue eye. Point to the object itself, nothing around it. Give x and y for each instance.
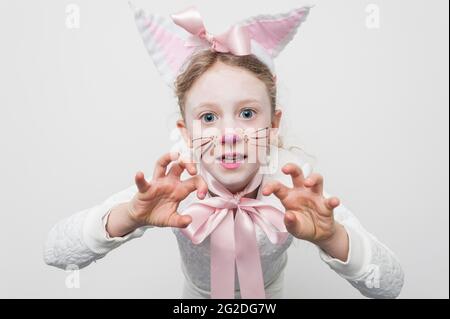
(208, 117)
(247, 113)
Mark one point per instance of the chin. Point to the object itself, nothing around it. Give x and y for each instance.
(232, 177)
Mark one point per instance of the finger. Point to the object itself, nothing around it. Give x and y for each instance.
(182, 164)
(196, 183)
(141, 183)
(315, 183)
(179, 221)
(161, 164)
(188, 164)
(176, 170)
(277, 188)
(296, 174)
(332, 202)
(293, 223)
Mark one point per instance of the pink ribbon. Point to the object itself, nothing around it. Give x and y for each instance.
(233, 240)
(236, 40)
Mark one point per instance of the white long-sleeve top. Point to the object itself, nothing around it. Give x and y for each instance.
(371, 267)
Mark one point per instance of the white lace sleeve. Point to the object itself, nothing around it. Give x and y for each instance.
(371, 267)
(82, 238)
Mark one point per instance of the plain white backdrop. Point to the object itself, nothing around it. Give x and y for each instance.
(83, 108)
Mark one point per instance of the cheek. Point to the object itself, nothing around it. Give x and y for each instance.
(189, 121)
(262, 120)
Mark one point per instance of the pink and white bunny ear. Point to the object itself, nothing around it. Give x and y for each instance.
(274, 32)
(170, 42)
(165, 42)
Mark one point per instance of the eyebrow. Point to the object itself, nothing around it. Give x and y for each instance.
(244, 101)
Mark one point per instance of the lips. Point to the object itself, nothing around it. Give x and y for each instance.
(231, 160)
(231, 157)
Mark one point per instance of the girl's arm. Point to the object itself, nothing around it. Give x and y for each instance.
(371, 267)
(90, 234)
(82, 238)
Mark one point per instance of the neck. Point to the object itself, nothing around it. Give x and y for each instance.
(234, 188)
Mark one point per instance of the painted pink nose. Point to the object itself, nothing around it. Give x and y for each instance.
(230, 138)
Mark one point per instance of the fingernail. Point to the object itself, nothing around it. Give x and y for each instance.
(289, 217)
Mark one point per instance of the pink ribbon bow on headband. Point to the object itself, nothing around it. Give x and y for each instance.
(170, 42)
(236, 40)
(233, 239)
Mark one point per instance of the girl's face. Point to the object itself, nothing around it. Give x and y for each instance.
(228, 121)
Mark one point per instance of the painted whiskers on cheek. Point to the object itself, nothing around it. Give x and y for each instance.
(256, 138)
(210, 142)
(259, 138)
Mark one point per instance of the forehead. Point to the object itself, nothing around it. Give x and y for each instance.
(224, 84)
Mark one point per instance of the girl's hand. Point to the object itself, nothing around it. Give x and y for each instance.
(309, 215)
(157, 201)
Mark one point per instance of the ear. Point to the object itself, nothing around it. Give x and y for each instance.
(165, 42)
(277, 118)
(274, 32)
(181, 125)
(273, 132)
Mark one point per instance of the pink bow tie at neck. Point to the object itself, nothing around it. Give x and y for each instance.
(236, 40)
(233, 239)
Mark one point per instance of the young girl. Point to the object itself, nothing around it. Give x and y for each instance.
(247, 198)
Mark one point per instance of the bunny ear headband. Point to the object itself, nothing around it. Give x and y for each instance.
(170, 42)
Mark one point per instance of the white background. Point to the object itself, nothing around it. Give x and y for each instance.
(83, 109)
